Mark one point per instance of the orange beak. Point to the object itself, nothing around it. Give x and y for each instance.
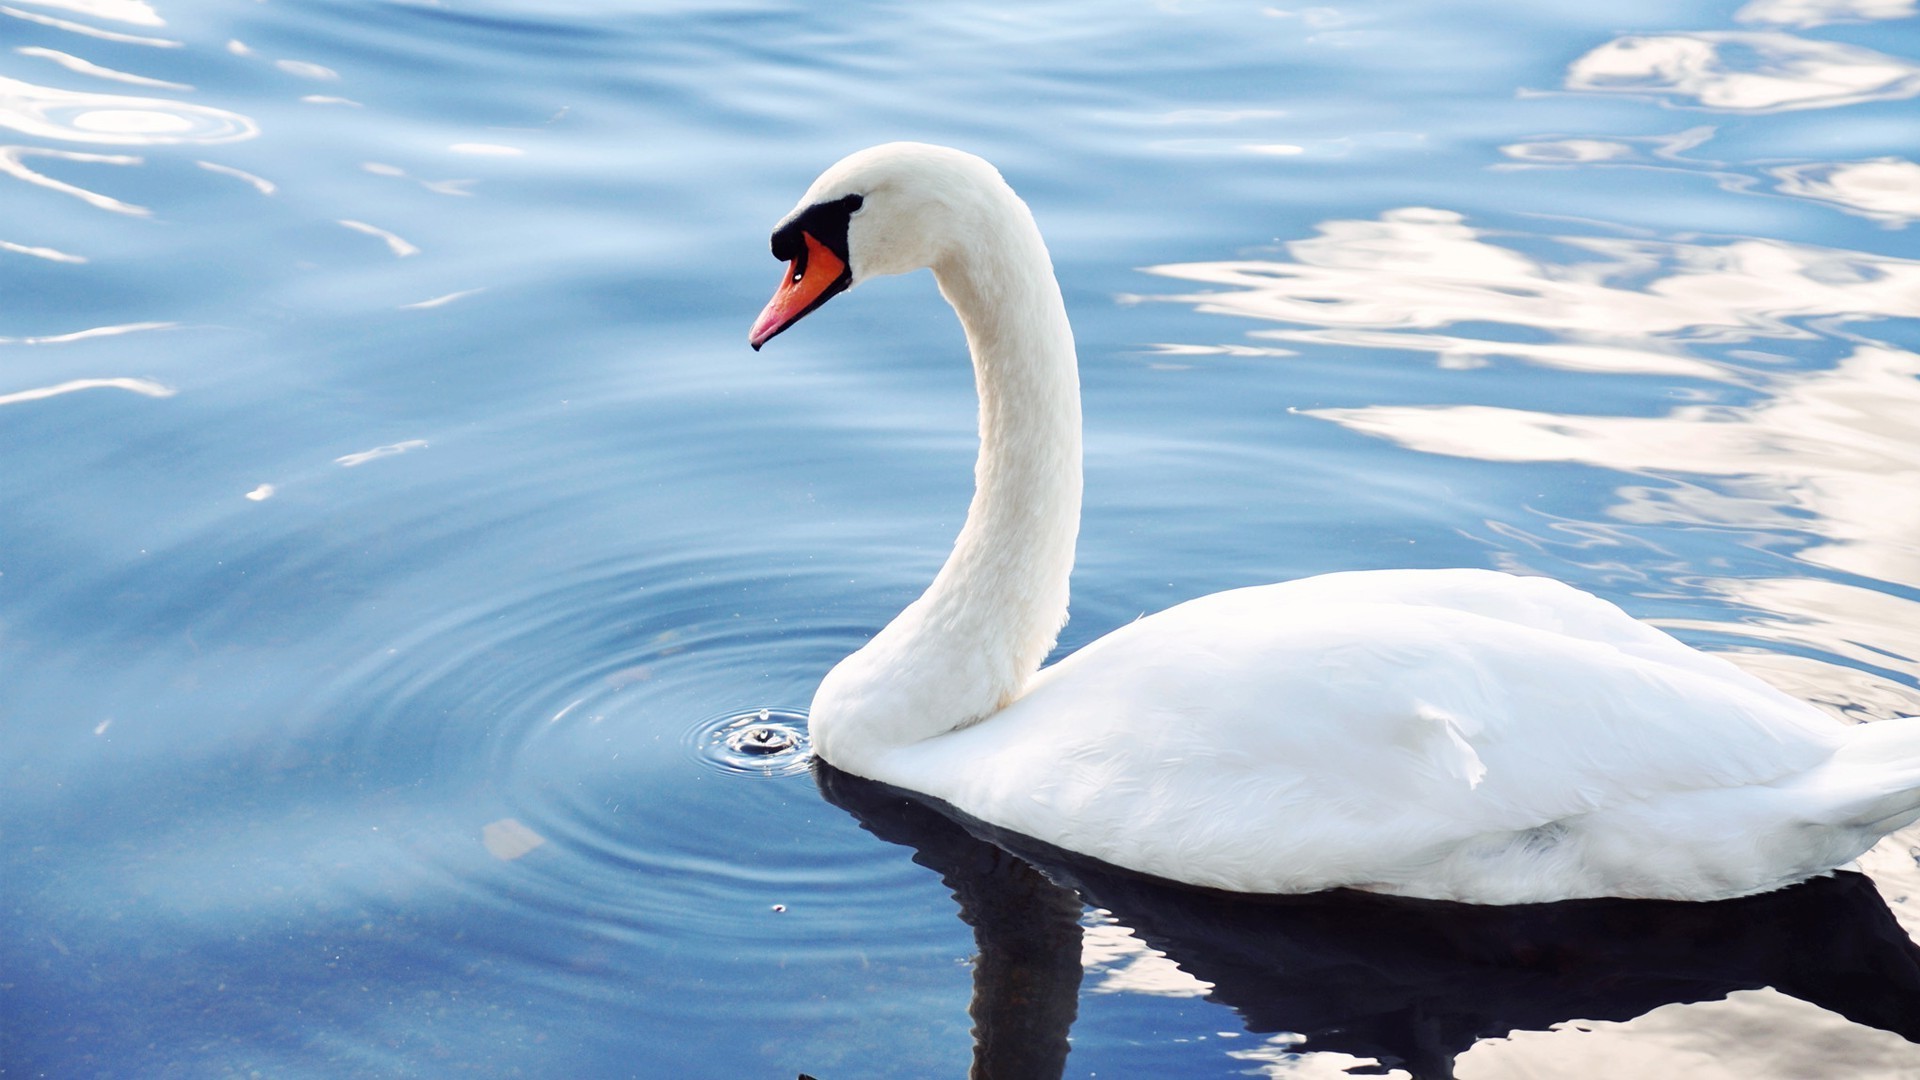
(812, 279)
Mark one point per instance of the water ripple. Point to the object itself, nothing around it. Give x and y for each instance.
(757, 742)
(115, 119)
(572, 734)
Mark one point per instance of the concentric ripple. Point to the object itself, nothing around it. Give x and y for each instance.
(557, 754)
(758, 742)
(115, 119)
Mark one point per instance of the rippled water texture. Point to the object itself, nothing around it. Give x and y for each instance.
(411, 585)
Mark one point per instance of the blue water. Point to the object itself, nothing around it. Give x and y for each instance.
(393, 519)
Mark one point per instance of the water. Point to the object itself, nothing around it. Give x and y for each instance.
(394, 523)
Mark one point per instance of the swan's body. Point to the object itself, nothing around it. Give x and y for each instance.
(1459, 734)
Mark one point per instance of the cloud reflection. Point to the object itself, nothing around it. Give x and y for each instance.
(1806, 13)
(1834, 453)
(1745, 71)
(1630, 305)
(1117, 961)
(1885, 189)
(89, 31)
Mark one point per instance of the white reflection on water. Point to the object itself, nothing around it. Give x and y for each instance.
(348, 461)
(399, 246)
(11, 164)
(1752, 1033)
(1745, 71)
(1119, 962)
(260, 184)
(136, 12)
(486, 149)
(89, 31)
(1839, 446)
(1885, 189)
(87, 67)
(73, 116)
(47, 253)
(1866, 627)
(1635, 309)
(90, 332)
(1620, 148)
(441, 301)
(145, 387)
(307, 70)
(1279, 1058)
(1805, 13)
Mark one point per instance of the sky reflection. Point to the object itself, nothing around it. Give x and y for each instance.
(1744, 71)
(1629, 306)
(1810, 13)
(1836, 446)
(1886, 189)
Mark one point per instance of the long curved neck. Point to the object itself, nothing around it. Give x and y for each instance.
(971, 642)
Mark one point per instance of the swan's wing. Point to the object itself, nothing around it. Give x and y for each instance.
(1357, 725)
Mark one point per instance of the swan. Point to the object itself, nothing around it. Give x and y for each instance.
(1463, 735)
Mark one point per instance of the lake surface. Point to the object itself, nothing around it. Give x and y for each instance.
(394, 525)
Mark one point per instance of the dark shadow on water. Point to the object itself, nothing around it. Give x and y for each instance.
(1411, 983)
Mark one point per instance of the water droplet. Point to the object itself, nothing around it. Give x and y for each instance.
(758, 742)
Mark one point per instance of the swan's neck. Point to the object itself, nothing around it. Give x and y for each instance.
(971, 642)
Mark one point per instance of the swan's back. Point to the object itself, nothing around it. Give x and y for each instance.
(1454, 733)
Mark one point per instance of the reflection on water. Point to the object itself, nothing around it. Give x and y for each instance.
(1811, 13)
(1745, 71)
(145, 387)
(87, 67)
(137, 12)
(95, 32)
(1832, 453)
(1626, 306)
(1405, 984)
(115, 119)
(1886, 189)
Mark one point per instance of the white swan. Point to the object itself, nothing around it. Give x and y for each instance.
(1455, 734)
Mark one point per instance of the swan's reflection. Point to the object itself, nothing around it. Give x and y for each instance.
(1410, 983)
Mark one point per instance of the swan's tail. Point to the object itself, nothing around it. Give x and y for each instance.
(1878, 777)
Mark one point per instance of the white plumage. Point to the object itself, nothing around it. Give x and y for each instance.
(1457, 734)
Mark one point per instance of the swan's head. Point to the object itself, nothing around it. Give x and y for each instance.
(889, 209)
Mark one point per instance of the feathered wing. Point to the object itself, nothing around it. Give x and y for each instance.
(1403, 730)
